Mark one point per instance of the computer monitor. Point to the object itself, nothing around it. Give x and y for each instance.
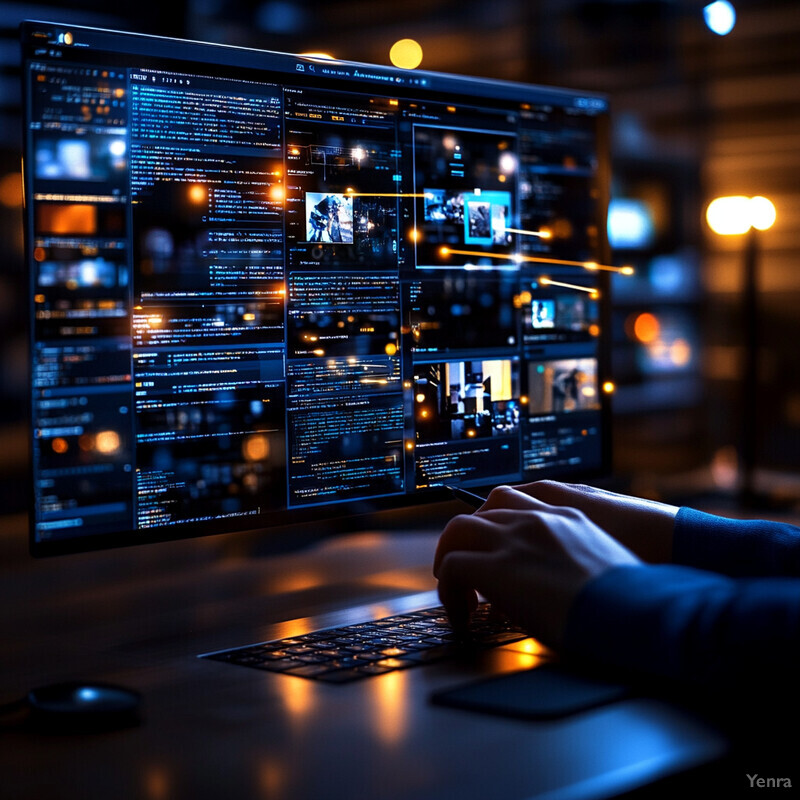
(266, 288)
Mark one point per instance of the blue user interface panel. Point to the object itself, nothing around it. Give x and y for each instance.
(266, 287)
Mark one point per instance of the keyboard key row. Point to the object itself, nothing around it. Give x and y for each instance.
(339, 655)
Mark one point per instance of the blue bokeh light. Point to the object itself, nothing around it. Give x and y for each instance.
(630, 224)
(720, 17)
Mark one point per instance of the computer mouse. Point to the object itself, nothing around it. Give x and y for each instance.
(83, 706)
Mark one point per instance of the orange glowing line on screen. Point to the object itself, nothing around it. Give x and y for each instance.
(590, 265)
(543, 234)
(348, 193)
(588, 289)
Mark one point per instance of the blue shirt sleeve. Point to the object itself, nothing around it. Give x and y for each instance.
(693, 626)
(736, 547)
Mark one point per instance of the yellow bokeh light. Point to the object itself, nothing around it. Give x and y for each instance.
(255, 447)
(736, 214)
(197, 193)
(277, 193)
(680, 352)
(728, 216)
(406, 54)
(391, 349)
(107, 442)
(763, 214)
(609, 387)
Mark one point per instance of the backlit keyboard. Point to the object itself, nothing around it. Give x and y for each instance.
(350, 652)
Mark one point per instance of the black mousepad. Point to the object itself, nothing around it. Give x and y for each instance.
(549, 691)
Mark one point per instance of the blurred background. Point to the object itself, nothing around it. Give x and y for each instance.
(700, 110)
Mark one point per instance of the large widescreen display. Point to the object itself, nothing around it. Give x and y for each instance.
(265, 287)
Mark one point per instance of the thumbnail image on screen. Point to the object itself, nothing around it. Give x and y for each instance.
(330, 218)
(466, 400)
(569, 316)
(543, 314)
(563, 386)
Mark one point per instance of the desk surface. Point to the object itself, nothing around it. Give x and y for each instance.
(140, 616)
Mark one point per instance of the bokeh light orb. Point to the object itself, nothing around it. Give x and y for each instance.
(406, 54)
(720, 17)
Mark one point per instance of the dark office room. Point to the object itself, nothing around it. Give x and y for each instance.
(400, 400)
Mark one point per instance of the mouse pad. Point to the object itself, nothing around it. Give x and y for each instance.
(546, 692)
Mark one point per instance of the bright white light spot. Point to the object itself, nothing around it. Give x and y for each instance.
(720, 17)
(737, 214)
(88, 270)
(117, 147)
(762, 213)
(729, 215)
(508, 162)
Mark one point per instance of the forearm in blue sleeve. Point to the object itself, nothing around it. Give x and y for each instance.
(735, 547)
(697, 627)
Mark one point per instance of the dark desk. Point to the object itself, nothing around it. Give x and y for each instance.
(139, 616)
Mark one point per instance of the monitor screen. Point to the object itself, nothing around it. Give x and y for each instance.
(266, 288)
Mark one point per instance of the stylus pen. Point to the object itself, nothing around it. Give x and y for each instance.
(474, 500)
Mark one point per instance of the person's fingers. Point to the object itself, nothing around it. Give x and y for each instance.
(459, 603)
(461, 575)
(558, 494)
(532, 524)
(507, 497)
(489, 530)
(471, 532)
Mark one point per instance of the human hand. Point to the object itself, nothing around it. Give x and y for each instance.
(644, 526)
(528, 558)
